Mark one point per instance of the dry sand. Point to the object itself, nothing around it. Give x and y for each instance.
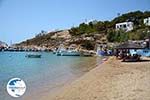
(112, 80)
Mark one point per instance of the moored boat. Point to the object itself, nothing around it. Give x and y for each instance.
(71, 51)
(86, 54)
(33, 56)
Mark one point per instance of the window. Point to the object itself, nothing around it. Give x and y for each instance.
(146, 21)
(121, 26)
(124, 26)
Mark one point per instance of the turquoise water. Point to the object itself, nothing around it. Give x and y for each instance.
(43, 74)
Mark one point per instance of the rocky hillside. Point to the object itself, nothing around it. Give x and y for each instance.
(87, 35)
(54, 39)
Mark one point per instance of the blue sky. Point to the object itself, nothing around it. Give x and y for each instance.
(22, 19)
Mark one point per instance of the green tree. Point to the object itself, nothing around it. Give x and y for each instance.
(89, 45)
(111, 36)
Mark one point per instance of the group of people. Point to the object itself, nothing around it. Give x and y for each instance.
(125, 55)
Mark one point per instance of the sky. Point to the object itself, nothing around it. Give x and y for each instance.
(22, 19)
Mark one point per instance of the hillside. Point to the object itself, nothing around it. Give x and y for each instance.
(87, 35)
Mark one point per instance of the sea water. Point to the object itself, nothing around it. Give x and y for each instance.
(43, 74)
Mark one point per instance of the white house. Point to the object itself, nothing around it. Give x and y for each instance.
(147, 21)
(126, 26)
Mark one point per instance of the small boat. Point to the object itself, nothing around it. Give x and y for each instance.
(67, 52)
(33, 56)
(86, 54)
(59, 51)
(70, 53)
(54, 52)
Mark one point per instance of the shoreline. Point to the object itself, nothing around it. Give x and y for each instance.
(92, 62)
(50, 94)
(111, 80)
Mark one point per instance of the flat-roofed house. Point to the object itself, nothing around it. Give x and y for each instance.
(126, 26)
(147, 21)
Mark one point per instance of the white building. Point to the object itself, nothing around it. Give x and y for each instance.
(126, 26)
(147, 21)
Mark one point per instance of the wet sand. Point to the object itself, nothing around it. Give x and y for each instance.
(112, 80)
(76, 70)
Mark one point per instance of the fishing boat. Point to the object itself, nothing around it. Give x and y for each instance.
(59, 51)
(71, 51)
(33, 56)
(54, 50)
(86, 54)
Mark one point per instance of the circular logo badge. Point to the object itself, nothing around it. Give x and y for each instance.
(16, 87)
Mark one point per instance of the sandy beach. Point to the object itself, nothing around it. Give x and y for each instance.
(112, 80)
